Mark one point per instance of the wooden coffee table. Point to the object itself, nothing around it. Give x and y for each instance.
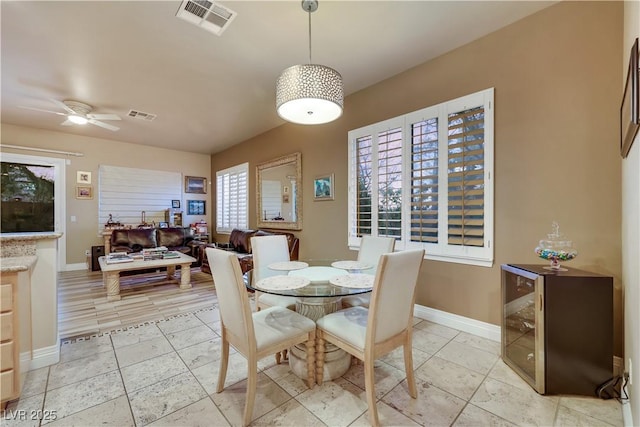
(111, 272)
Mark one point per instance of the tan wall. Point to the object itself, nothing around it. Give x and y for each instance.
(631, 230)
(556, 76)
(83, 234)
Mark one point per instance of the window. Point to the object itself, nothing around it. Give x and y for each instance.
(232, 196)
(426, 178)
(31, 179)
(27, 198)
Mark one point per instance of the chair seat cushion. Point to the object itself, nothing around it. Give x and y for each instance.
(349, 325)
(356, 301)
(277, 301)
(274, 324)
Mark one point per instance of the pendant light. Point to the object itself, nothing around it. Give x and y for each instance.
(309, 94)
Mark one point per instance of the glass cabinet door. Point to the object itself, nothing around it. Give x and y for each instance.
(522, 328)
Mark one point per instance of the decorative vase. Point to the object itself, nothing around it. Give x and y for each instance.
(555, 248)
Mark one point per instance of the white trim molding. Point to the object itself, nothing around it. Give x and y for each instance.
(465, 324)
(41, 358)
(76, 267)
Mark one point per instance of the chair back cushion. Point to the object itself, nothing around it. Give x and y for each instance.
(373, 247)
(267, 250)
(235, 311)
(391, 307)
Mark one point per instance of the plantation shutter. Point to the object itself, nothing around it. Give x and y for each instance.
(363, 156)
(424, 181)
(466, 177)
(232, 198)
(390, 183)
(124, 193)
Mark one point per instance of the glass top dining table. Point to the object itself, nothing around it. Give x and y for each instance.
(313, 278)
(318, 286)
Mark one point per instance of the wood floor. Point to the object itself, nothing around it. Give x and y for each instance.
(83, 309)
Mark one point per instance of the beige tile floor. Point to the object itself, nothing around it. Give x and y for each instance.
(164, 374)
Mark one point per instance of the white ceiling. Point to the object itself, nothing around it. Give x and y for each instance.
(210, 92)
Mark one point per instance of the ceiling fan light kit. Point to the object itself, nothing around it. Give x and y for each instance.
(309, 94)
(79, 113)
(78, 120)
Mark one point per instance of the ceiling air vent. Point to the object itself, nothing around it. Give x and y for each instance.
(142, 116)
(208, 15)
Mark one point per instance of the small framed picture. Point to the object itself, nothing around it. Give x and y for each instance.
(196, 207)
(84, 192)
(175, 204)
(323, 187)
(285, 198)
(630, 107)
(83, 177)
(195, 184)
(163, 224)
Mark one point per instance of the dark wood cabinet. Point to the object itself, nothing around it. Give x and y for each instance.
(557, 328)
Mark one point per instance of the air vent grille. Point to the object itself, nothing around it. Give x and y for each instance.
(141, 115)
(207, 15)
(198, 7)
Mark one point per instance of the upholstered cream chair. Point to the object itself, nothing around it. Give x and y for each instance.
(370, 333)
(267, 250)
(371, 249)
(257, 334)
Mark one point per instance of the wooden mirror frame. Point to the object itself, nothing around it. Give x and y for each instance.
(295, 191)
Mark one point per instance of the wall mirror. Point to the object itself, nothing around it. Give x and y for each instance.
(279, 193)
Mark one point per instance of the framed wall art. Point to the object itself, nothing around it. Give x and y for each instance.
(629, 109)
(175, 204)
(323, 187)
(195, 184)
(83, 177)
(84, 192)
(196, 207)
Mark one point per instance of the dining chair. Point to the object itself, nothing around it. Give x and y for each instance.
(370, 333)
(267, 250)
(371, 249)
(254, 334)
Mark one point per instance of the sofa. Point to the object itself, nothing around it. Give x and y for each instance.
(240, 244)
(180, 239)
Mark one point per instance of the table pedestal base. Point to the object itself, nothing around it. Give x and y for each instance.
(336, 360)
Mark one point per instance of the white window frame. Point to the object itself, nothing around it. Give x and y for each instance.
(441, 251)
(239, 213)
(60, 195)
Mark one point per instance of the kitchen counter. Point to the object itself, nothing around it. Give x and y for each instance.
(30, 261)
(23, 244)
(17, 263)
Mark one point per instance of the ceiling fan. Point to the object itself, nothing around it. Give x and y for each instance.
(79, 113)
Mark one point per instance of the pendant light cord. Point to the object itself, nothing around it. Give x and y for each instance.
(309, 11)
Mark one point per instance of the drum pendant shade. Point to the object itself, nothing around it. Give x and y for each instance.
(309, 94)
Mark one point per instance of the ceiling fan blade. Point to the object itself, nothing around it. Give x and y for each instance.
(43, 111)
(63, 106)
(67, 122)
(104, 125)
(103, 116)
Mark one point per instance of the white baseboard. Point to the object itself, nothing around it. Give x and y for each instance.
(76, 266)
(465, 324)
(42, 357)
(627, 416)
